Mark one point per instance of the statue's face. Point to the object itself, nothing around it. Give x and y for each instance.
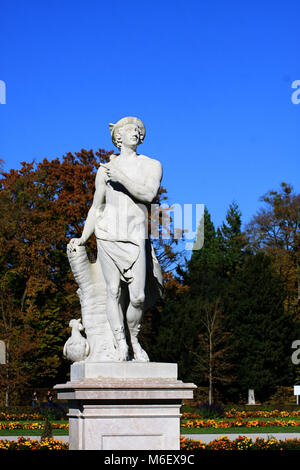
(130, 135)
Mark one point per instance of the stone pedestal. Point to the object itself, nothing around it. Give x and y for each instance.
(124, 406)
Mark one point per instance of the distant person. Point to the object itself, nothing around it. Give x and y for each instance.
(34, 400)
(49, 397)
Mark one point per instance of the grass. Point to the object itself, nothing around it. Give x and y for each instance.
(240, 430)
(221, 431)
(234, 430)
(33, 432)
(243, 429)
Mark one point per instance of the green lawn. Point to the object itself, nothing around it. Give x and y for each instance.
(241, 430)
(244, 429)
(221, 431)
(33, 432)
(235, 430)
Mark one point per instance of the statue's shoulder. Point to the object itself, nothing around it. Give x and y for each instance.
(100, 170)
(150, 161)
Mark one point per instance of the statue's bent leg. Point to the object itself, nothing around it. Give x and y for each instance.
(135, 308)
(113, 287)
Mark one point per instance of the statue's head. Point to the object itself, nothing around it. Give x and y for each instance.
(127, 127)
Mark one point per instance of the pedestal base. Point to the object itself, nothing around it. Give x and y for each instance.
(110, 413)
(123, 370)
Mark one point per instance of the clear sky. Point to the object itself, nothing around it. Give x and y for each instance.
(211, 80)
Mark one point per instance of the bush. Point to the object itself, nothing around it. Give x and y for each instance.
(282, 396)
(211, 411)
(47, 431)
(53, 411)
(17, 410)
(262, 407)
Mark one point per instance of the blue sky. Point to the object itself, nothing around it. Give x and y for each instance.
(211, 80)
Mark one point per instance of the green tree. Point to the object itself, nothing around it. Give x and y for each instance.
(275, 230)
(181, 321)
(203, 272)
(262, 332)
(232, 240)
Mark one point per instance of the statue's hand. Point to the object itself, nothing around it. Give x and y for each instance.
(74, 242)
(113, 173)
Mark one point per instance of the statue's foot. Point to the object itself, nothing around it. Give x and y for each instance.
(121, 345)
(139, 354)
(122, 351)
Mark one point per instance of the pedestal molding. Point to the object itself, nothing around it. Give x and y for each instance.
(125, 414)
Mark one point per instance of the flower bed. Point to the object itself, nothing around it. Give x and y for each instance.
(188, 424)
(20, 416)
(261, 414)
(222, 443)
(248, 423)
(233, 413)
(27, 444)
(250, 414)
(34, 425)
(241, 443)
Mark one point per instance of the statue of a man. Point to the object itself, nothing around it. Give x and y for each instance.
(123, 189)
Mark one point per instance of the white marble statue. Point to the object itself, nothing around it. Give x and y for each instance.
(251, 397)
(126, 277)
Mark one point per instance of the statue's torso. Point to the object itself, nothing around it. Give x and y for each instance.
(124, 218)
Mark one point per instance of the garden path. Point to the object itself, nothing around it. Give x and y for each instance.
(206, 438)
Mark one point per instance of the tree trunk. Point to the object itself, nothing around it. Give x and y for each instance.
(7, 376)
(92, 295)
(210, 373)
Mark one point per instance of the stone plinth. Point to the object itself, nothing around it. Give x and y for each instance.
(128, 413)
(123, 370)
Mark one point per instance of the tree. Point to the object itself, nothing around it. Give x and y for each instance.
(203, 272)
(262, 331)
(182, 321)
(176, 333)
(232, 240)
(214, 345)
(253, 334)
(43, 206)
(47, 432)
(275, 230)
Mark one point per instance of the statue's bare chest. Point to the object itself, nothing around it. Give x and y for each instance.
(134, 169)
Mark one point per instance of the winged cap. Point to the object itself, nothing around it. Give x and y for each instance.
(122, 122)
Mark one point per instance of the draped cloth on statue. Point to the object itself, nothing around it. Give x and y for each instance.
(121, 232)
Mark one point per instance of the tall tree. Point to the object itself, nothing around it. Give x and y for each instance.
(203, 271)
(232, 240)
(212, 361)
(262, 330)
(182, 322)
(275, 229)
(43, 206)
